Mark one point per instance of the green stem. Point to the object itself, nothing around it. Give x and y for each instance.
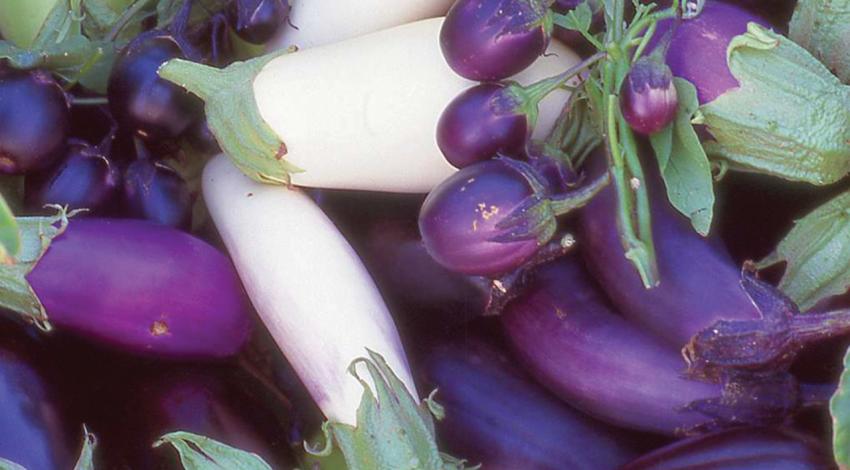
(644, 41)
(580, 197)
(537, 91)
(89, 101)
(124, 19)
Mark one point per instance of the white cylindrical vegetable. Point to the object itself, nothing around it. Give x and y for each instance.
(319, 22)
(358, 114)
(307, 284)
(381, 95)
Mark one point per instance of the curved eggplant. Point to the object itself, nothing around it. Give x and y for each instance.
(573, 343)
(737, 449)
(143, 288)
(31, 434)
(499, 418)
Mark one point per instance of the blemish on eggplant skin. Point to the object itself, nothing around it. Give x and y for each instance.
(249, 194)
(159, 328)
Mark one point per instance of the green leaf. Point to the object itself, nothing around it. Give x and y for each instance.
(86, 460)
(789, 118)
(99, 18)
(202, 453)
(10, 235)
(9, 465)
(683, 163)
(823, 28)
(393, 431)
(578, 19)
(817, 252)
(839, 409)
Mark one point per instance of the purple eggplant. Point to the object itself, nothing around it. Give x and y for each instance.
(86, 178)
(698, 46)
(498, 417)
(648, 97)
(577, 346)
(156, 192)
(143, 288)
(460, 219)
(257, 21)
(489, 40)
(34, 120)
(31, 433)
(738, 449)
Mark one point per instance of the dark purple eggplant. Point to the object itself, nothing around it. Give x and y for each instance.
(498, 417)
(257, 21)
(154, 191)
(489, 40)
(34, 120)
(699, 285)
(143, 288)
(31, 432)
(573, 342)
(648, 97)
(738, 449)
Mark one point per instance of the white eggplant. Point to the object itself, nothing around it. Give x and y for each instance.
(358, 114)
(318, 22)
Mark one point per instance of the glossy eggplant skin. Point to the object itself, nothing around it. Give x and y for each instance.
(257, 21)
(700, 283)
(143, 288)
(500, 418)
(737, 449)
(572, 342)
(31, 434)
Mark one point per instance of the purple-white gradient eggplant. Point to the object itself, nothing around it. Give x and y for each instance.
(489, 40)
(500, 418)
(573, 342)
(143, 288)
(700, 284)
(648, 98)
(738, 449)
(86, 178)
(460, 219)
(481, 122)
(31, 433)
(698, 46)
(257, 21)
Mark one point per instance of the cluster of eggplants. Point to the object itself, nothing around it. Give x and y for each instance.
(742, 448)
(570, 338)
(155, 304)
(31, 424)
(499, 418)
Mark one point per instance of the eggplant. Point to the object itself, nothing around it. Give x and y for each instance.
(575, 344)
(737, 449)
(502, 419)
(31, 431)
(143, 288)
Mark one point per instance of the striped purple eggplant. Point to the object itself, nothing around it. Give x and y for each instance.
(738, 449)
(143, 288)
(575, 344)
(498, 417)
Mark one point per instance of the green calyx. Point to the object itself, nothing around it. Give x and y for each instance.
(789, 116)
(16, 294)
(392, 432)
(233, 116)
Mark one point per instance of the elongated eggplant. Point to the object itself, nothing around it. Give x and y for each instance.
(700, 284)
(737, 449)
(31, 433)
(573, 342)
(499, 418)
(143, 288)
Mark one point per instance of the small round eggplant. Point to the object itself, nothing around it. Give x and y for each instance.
(489, 40)
(480, 123)
(257, 21)
(87, 178)
(737, 449)
(459, 220)
(698, 46)
(143, 288)
(154, 191)
(648, 97)
(34, 120)
(32, 434)
(499, 418)
(140, 100)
